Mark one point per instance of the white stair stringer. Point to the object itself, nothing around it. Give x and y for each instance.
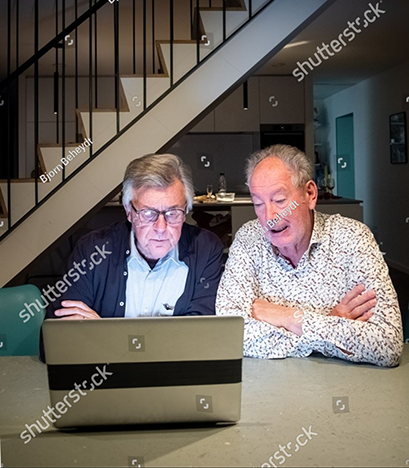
(171, 115)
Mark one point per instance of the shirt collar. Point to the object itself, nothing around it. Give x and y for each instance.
(318, 229)
(172, 255)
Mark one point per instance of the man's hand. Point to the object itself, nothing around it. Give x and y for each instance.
(279, 316)
(355, 305)
(76, 310)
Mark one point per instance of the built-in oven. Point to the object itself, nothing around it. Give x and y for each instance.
(282, 134)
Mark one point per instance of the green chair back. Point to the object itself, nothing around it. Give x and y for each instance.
(20, 329)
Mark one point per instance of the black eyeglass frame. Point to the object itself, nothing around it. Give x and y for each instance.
(158, 213)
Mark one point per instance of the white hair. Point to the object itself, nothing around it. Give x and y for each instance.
(156, 171)
(295, 160)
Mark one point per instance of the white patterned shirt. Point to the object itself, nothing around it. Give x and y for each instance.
(342, 254)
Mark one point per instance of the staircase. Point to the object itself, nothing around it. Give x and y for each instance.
(154, 111)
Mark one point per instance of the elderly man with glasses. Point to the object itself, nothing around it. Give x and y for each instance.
(153, 265)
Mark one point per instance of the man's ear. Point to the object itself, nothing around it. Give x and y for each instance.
(311, 192)
(128, 215)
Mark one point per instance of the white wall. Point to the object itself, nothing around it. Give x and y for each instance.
(384, 187)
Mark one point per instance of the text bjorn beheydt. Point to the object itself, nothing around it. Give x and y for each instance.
(65, 161)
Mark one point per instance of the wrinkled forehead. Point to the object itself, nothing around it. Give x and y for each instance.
(159, 197)
(271, 175)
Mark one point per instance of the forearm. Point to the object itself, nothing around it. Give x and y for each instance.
(263, 340)
(376, 341)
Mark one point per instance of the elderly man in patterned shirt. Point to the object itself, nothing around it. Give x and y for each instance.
(313, 282)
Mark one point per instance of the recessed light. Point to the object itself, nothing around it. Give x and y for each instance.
(296, 44)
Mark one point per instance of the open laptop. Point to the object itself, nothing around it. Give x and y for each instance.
(145, 370)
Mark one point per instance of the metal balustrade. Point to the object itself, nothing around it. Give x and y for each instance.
(80, 81)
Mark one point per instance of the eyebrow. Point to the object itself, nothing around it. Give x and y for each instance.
(283, 190)
(145, 207)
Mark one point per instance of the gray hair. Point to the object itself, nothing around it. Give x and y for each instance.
(295, 160)
(156, 171)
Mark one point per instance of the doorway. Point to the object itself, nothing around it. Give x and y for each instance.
(345, 159)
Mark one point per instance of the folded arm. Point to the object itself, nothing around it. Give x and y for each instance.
(237, 291)
(377, 340)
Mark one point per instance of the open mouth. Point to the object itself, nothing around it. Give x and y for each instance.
(277, 231)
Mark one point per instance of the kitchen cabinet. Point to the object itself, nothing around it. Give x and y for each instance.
(271, 100)
(281, 100)
(230, 115)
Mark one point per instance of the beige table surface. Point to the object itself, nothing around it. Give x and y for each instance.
(280, 398)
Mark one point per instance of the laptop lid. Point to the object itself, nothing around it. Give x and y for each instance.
(145, 370)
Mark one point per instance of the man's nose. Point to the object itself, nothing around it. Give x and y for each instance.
(271, 211)
(161, 224)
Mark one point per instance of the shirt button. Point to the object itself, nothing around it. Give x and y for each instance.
(127, 252)
(125, 273)
(121, 304)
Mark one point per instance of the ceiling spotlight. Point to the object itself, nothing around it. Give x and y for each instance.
(296, 44)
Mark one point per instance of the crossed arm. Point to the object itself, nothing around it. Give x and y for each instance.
(365, 326)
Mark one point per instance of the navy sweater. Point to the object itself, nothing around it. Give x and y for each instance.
(103, 286)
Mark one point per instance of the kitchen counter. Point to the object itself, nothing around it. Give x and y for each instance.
(242, 209)
(246, 201)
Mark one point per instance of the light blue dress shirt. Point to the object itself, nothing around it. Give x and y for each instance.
(154, 292)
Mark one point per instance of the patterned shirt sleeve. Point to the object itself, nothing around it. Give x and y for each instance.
(342, 254)
(379, 340)
(238, 289)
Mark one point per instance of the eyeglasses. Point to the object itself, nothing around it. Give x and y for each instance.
(150, 215)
